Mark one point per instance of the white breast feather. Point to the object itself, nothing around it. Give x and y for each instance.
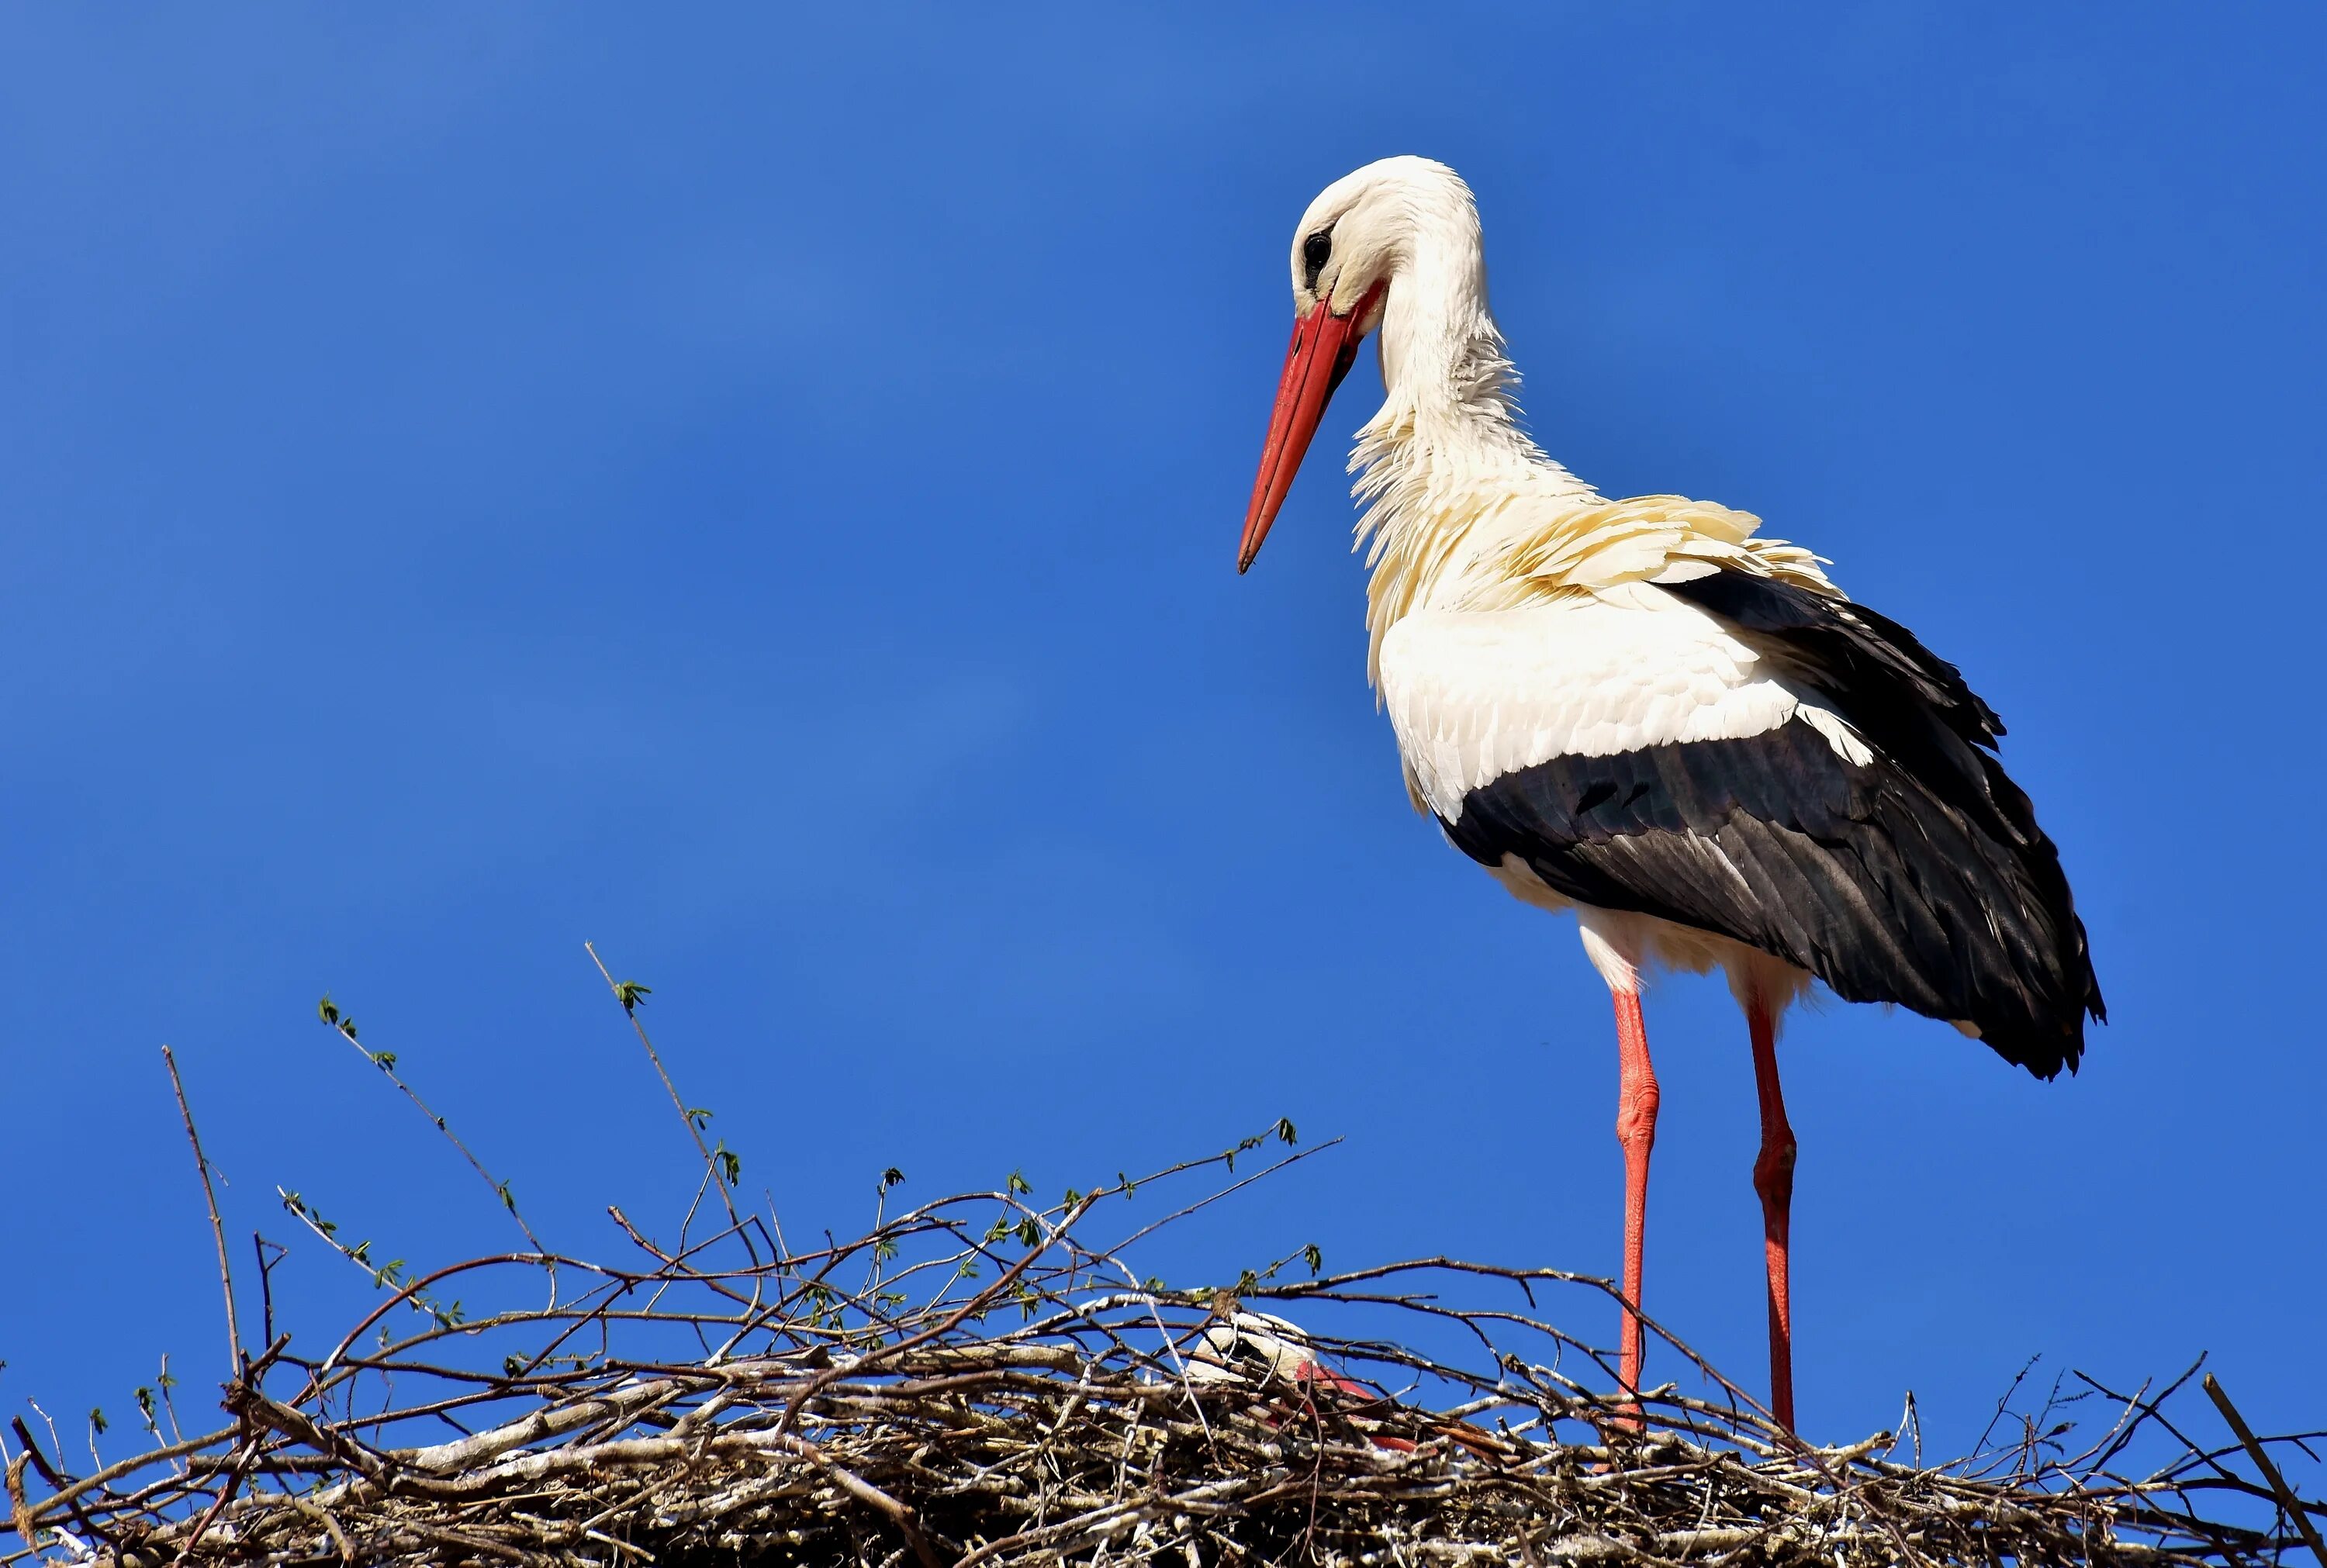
(1474, 694)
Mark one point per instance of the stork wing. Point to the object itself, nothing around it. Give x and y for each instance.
(1745, 757)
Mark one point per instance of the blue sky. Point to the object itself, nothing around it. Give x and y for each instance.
(758, 491)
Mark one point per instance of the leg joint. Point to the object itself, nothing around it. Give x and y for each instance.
(1636, 1115)
(1773, 1171)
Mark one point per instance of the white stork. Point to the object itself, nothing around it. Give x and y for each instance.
(1639, 711)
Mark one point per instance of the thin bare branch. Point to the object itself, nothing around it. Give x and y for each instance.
(210, 1201)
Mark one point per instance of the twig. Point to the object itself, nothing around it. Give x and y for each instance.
(258, 1246)
(209, 1200)
(2279, 1489)
(711, 1166)
(345, 1028)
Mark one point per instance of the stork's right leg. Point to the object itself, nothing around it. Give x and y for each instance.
(1636, 1131)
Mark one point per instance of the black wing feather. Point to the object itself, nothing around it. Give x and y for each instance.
(1920, 879)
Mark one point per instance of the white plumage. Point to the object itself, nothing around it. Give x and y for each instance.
(1474, 694)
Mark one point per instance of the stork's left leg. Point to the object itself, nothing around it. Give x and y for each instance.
(1773, 1179)
(1612, 943)
(1636, 1131)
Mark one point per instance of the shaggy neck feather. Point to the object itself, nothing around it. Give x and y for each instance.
(1442, 462)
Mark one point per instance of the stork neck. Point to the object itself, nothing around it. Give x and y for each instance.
(1445, 458)
(1441, 354)
(1449, 418)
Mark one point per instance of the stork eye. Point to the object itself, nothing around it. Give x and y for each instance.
(1315, 251)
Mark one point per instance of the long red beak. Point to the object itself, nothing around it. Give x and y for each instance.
(1324, 347)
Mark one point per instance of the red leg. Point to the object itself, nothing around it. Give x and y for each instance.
(1773, 1179)
(1636, 1130)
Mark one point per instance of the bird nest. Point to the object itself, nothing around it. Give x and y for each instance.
(988, 1380)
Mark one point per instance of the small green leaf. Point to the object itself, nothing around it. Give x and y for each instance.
(306, 1211)
(1127, 1183)
(1153, 1284)
(1314, 1258)
(384, 1059)
(884, 1248)
(699, 1116)
(891, 1177)
(508, 1198)
(630, 993)
(1018, 1182)
(1029, 1231)
(730, 1164)
(1284, 1133)
(1071, 1199)
(97, 1421)
(1247, 1282)
(327, 1009)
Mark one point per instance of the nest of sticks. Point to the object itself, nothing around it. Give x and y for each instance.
(988, 1380)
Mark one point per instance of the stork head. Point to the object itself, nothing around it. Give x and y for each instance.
(1358, 240)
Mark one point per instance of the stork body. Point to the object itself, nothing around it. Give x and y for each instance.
(1641, 710)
